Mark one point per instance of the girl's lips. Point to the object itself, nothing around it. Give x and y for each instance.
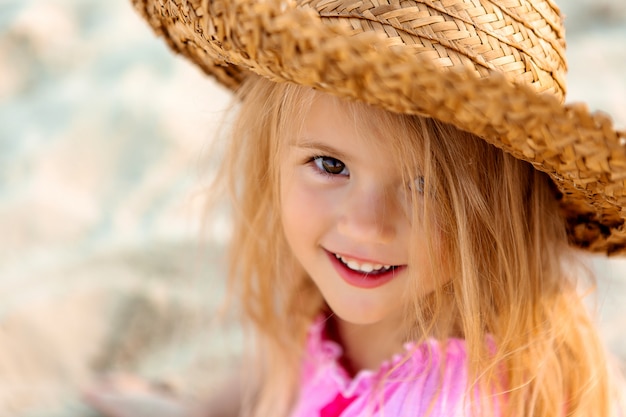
(363, 279)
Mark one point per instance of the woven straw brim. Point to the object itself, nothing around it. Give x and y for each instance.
(581, 151)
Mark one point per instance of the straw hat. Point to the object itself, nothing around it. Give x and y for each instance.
(494, 68)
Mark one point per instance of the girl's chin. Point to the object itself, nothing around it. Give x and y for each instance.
(359, 315)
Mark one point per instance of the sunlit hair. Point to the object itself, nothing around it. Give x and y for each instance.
(498, 240)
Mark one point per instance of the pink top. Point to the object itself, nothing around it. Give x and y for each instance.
(414, 387)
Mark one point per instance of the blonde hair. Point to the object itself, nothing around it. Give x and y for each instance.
(505, 250)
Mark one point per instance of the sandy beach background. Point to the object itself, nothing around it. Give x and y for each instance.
(103, 148)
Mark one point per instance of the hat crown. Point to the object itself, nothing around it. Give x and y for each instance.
(522, 39)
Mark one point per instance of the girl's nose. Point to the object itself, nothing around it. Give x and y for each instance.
(368, 216)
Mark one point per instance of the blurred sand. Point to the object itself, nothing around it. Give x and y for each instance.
(102, 145)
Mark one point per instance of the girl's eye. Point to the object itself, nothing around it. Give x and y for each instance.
(331, 166)
(417, 184)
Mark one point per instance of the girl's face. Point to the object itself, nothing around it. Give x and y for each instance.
(345, 216)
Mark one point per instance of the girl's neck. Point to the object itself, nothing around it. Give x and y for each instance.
(366, 346)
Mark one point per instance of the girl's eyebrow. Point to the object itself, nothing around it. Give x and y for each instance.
(320, 146)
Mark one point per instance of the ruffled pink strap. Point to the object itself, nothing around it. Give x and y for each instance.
(336, 406)
(413, 381)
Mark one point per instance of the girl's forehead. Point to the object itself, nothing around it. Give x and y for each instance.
(308, 115)
(339, 124)
(328, 112)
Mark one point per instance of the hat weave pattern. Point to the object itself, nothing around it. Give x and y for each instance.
(524, 42)
(493, 68)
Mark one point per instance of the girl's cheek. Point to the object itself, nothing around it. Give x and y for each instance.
(314, 193)
(307, 197)
(298, 194)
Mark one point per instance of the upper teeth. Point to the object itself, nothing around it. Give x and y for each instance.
(362, 267)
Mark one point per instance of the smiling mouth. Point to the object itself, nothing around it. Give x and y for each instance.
(365, 267)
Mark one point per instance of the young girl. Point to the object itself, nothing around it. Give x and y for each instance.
(409, 197)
